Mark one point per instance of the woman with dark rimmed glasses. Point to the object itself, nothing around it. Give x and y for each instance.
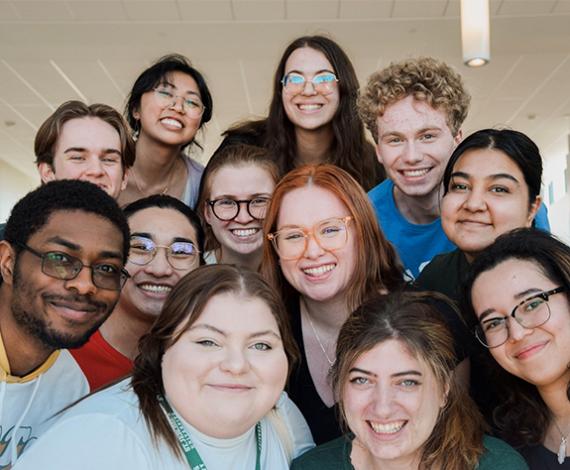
(236, 189)
(313, 114)
(168, 103)
(517, 290)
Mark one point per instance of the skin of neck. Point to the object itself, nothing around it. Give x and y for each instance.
(313, 145)
(556, 399)
(246, 260)
(362, 459)
(154, 160)
(419, 210)
(328, 315)
(123, 330)
(25, 353)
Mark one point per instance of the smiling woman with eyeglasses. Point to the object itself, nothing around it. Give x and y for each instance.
(325, 254)
(168, 104)
(234, 196)
(518, 291)
(313, 114)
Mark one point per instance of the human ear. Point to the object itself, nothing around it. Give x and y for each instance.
(7, 262)
(533, 210)
(47, 172)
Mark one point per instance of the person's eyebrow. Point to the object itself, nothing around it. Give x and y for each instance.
(299, 72)
(407, 372)
(208, 327)
(166, 83)
(264, 333)
(83, 149)
(111, 150)
(362, 371)
(141, 235)
(75, 247)
(497, 176)
(525, 293)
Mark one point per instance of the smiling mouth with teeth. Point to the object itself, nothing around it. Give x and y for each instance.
(388, 428)
(320, 270)
(244, 232)
(416, 173)
(309, 107)
(172, 122)
(155, 288)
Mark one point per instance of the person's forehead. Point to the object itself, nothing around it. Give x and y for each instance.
(83, 228)
(88, 131)
(162, 223)
(412, 112)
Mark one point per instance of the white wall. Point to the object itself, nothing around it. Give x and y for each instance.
(555, 193)
(13, 185)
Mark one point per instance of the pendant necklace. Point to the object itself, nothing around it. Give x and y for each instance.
(563, 442)
(331, 363)
(166, 187)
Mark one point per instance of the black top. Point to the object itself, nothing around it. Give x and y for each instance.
(540, 458)
(321, 419)
(445, 274)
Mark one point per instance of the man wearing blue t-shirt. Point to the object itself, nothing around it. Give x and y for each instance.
(415, 110)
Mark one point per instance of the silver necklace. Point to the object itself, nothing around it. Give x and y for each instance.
(563, 441)
(331, 363)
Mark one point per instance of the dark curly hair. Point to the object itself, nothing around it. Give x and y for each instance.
(33, 211)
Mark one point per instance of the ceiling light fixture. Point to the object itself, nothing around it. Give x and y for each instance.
(475, 32)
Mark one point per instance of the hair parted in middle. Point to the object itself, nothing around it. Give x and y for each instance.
(50, 130)
(182, 309)
(350, 149)
(377, 264)
(414, 319)
(426, 79)
(231, 155)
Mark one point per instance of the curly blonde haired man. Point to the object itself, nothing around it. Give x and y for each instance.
(414, 109)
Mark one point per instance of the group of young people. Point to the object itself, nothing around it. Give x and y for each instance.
(236, 315)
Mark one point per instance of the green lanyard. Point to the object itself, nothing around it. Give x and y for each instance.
(192, 456)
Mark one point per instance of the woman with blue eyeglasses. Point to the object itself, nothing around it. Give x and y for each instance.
(518, 290)
(168, 104)
(236, 189)
(312, 116)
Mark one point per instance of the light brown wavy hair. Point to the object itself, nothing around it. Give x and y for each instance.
(377, 265)
(426, 79)
(182, 309)
(50, 130)
(413, 318)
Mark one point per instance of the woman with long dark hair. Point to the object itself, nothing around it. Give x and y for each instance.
(313, 115)
(518, 291)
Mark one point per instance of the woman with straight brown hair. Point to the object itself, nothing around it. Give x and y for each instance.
(394, 381)
(206, 391)
(313, 115)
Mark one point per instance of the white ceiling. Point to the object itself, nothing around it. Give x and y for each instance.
(52, 51)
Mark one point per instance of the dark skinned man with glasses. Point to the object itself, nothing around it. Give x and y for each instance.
(61, 267)
(166, 243)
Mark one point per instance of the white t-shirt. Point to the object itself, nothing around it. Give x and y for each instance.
(27, 406)
(108, 431)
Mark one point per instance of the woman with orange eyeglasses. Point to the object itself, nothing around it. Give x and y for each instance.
(325, 253)
(313, 114)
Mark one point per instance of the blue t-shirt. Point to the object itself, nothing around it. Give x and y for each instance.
(417, 244)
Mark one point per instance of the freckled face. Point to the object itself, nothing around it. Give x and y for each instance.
(414, 145)
(241, 235)
(392, 401)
